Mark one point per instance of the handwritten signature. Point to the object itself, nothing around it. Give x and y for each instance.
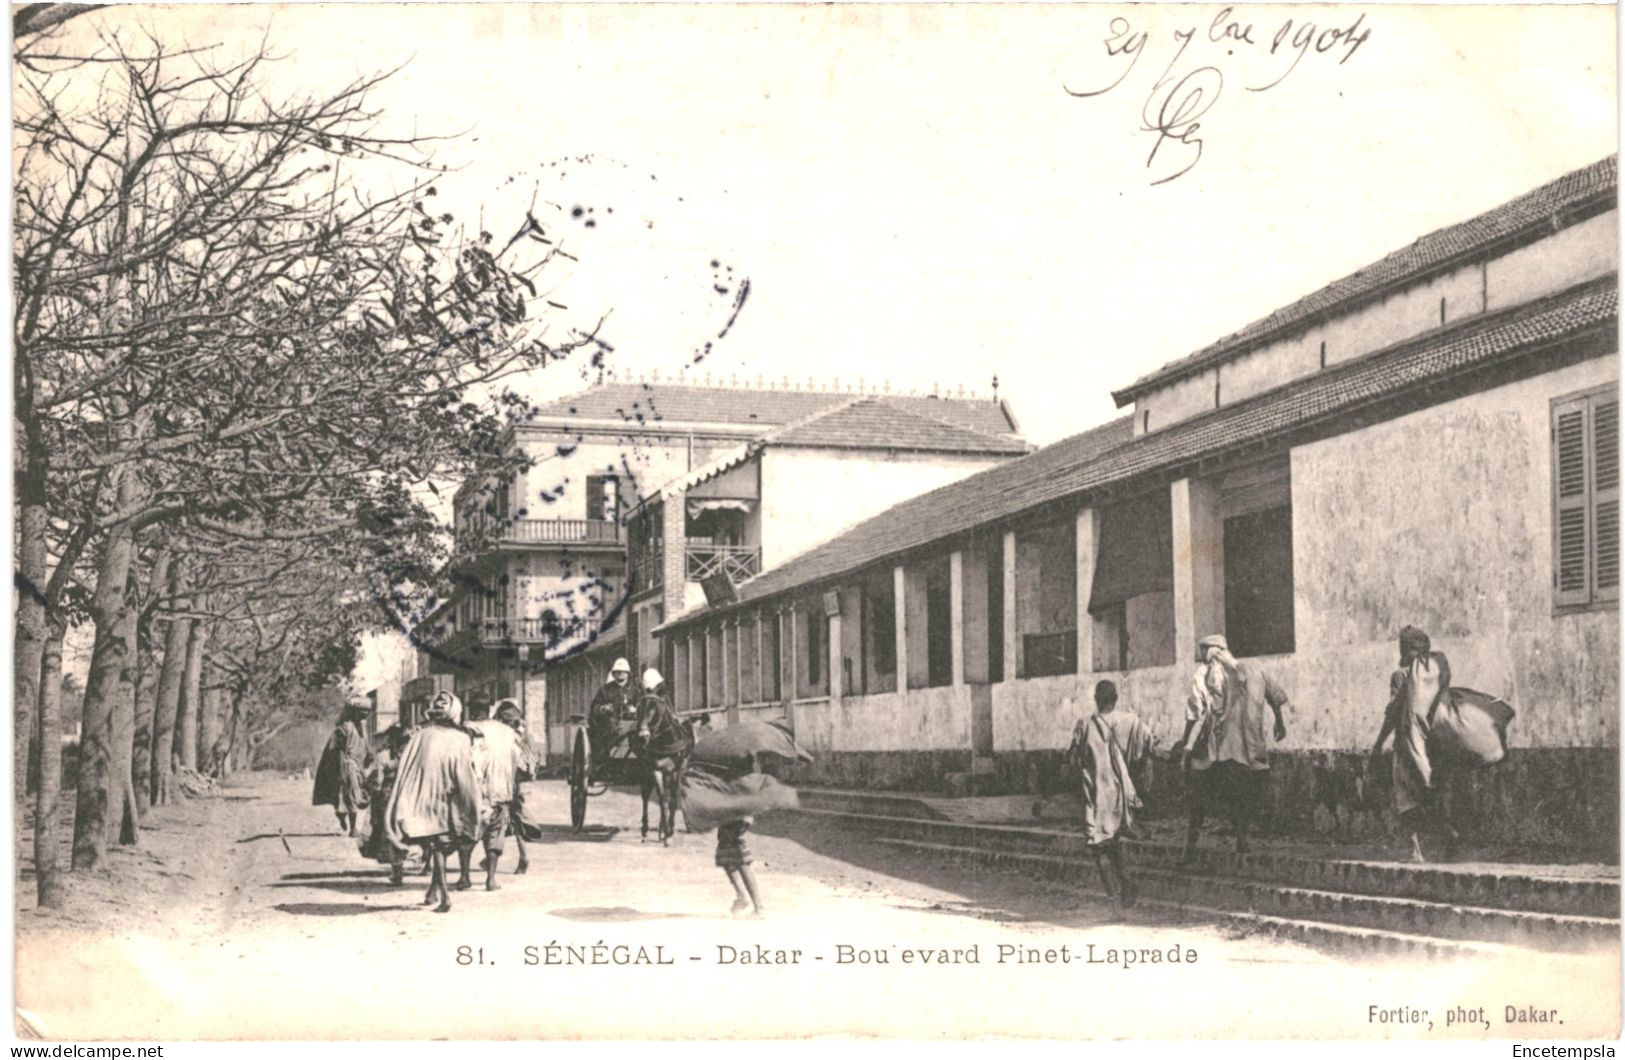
(1180, 97)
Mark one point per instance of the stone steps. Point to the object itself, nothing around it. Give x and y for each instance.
(1496, 887)
(1351, 940)
(1407, 907)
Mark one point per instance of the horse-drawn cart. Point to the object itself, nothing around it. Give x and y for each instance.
(593, 774)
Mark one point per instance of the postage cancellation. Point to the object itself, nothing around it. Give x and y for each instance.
(764, 522)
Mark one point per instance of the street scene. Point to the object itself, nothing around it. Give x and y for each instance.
(710, 505)
(224, 910)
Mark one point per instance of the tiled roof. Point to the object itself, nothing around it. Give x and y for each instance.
(1104, 457)
(858, 423)
(882, 423)
(666, 402)
(1533, 211)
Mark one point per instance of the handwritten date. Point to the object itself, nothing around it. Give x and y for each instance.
(1194, 77)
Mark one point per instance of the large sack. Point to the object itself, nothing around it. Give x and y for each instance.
(708, 799)
(1469, 728)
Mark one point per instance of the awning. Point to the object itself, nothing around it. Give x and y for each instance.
(1136, 553)
(696, 508)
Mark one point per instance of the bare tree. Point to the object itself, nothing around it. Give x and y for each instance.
(215, 327)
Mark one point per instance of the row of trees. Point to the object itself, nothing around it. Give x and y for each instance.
(246, 335)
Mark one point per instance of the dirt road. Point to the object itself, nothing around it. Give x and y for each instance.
(214, 928)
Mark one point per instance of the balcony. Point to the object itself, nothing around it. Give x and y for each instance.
(564, 531)
(549, 631)
(738, 562)
(648, 568)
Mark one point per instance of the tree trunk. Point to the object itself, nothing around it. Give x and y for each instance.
(186, 719)
(227, 762)
(208, 730)
(47, 876)
(123, 726)
(98, 784)
(169, 688)
(31, 631)
(146, 710)
(146, 690)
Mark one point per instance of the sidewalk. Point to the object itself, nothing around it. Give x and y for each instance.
(1063, 814)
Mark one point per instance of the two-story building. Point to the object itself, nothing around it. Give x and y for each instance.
(551, 578)
(1430, 440)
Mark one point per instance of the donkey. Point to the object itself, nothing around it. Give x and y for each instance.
(662, 746)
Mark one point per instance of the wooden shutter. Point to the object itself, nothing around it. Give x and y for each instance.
(595, 497)
(1571, 494)
(1605, 496)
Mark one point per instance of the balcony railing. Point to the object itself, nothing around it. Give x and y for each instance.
(738, 562)
(648, 568)
(569, 531)
(538, 630)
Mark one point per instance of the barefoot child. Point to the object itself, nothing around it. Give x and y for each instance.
(721, 789)
(733, 858)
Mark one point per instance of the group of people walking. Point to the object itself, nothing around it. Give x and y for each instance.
(1232, 709)
(445, 787)
(450, 785)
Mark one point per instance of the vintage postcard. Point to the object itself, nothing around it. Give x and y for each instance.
(775, 521)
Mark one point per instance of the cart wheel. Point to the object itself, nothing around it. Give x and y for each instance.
(578, 784)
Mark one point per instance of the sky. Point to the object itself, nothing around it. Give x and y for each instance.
(914, 196)
(917, 196)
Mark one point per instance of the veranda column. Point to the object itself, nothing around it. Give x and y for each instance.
(1198, 540)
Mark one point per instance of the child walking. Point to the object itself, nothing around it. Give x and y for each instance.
(722, 789)
(733, 858)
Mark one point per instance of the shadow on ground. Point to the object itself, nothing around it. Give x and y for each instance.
(1002, 895)
(295, 835)
(344, 886)
(547, 834)
(330, 908)
(617, 914)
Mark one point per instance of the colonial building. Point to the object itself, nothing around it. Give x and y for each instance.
(1430, 440)
(552, 579)
(791, 489)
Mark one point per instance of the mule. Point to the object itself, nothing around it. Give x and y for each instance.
(662, 747)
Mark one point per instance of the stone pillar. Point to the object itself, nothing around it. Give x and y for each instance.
(674, 554)
(1198, 540)
(956, 614)
(696, 672)
(1088, 548)
(918, 599)
(851, 645)
(899, 580)
(973, 614)
(837, 674)
(1012, 632)
(679, 672)
(739, 672)
(787, 638)
(533, 704)
(727, 663)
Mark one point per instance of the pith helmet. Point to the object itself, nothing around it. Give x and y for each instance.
(652, 679)
(621, 667)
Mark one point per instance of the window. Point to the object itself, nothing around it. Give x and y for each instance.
(603, 498)
(1585, 499)
(882, 623)
(939, 649)
(771, 665)
(1255, 503)
(1258, 594)
(811, 646)
(814, 651)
